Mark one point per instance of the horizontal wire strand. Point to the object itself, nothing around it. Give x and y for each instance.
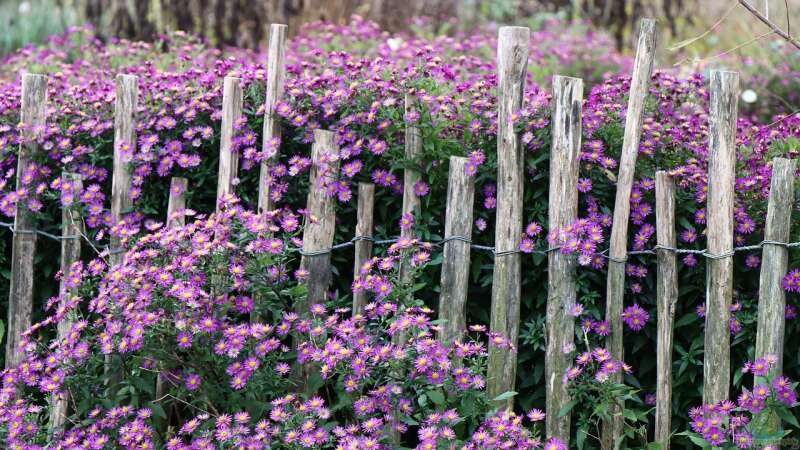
(483, 248)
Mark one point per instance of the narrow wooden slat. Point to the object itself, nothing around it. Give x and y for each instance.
(127, 93)
(771, 296)
(719, 283)
(228, 158)
(562, 211)
(363, 247)
(456, 254)
(411, 202)
(666, 298)
(320, 224)
(276, 73)
(774, 264)
(177, 202)
(23, 246)
(318, 232)
(512, 62)
(174, 219)
(127, 98)
(71, 229)
(618, 245)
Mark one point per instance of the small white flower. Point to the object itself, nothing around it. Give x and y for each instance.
(24, 7)
(749, 96)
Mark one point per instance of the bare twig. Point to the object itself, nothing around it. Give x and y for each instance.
(788, 20)
(730, 50)
(791, 114)
(768, 23)
(690, 41)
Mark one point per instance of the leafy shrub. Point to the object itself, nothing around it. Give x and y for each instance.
(165, 338)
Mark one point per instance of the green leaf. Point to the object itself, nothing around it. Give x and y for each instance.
(158, 411)
(580, 438)
(787, 416)
(505, 396)
(567, 408)
(436, 397)
(686, 320)
(315, 382)
(408, 420)
(699, 441)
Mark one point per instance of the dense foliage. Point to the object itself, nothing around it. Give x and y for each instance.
(352, 80)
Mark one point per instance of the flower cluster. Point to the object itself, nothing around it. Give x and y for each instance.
(175, 314)
(739, 424)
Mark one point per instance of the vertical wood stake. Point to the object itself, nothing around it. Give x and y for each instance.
(666, 299)
(363, 246)
(512, 63)
(228, 158)
(177, 202)
(318, 231)
(411, 203)
(124, 146)
(774, 264)
(276, 73)
(175, 218)
(618, 246)
(719, 282)
(23, 246)
(455, 264)
(320, 224)
(70, 254)
(562, 211)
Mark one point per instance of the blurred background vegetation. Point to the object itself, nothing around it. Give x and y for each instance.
(244, 23)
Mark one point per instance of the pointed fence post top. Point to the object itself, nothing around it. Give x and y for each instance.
(34, 83)
(324, 138)
(513, 35)
(647, 37)
(724, 83)
(513, 44)
(127, 97)
(278, 28)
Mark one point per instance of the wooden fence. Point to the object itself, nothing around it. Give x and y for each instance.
(513, 47)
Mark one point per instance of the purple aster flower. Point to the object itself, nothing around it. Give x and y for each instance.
(635, 317)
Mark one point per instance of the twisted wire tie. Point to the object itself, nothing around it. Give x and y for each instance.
(11, 227)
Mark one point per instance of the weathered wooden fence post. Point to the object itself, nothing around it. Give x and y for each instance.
(562, 211)
(411, 202)
(175, 218)
(23, 246)
(719, 283)
(512, 63)
(276, 73)
(321, 221)
(455, 264)
(318, 231)
(618, 246)
(71, 230)
(177, 202)
(127, 99)
(774, 263)
(228, 157)
(363, 244)
(666, 298)
(124, 148)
